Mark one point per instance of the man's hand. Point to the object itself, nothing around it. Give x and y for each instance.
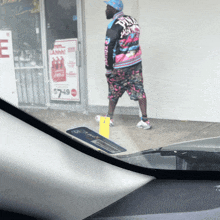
(108, 73)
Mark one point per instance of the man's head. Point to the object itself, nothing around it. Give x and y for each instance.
(113, 7)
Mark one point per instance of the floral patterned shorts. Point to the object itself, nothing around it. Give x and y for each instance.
(127, 79)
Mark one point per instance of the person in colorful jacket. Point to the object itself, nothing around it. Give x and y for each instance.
(123, 61)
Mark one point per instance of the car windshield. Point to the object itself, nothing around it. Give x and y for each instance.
(138, 81)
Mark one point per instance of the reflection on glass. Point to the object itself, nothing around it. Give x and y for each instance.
(61, 20)
(23, 19)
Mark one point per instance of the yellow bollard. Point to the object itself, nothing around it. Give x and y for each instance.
(104, 126)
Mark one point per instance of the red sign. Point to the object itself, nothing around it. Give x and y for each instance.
(8, 90)
(3, 48)
(73, 92)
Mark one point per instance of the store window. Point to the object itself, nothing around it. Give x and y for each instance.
(35, 27)
(22, 19)
(61, 20)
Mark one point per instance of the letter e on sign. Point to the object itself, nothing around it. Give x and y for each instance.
(3, 48)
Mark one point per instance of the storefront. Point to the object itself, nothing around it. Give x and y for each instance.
(58, 49)
(47, 43)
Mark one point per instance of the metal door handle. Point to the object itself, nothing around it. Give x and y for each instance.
(78, 54)
(78, 58)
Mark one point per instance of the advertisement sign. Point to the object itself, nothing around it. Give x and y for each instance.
(8, 90)
(64, 77)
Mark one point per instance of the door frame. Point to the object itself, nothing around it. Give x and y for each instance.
(81, 106)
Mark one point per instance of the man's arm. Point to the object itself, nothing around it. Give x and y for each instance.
(112, 35)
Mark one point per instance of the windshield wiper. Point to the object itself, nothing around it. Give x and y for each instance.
(192, 155)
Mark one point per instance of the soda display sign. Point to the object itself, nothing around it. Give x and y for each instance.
(64, 77)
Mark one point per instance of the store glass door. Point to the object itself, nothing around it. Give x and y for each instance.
(62, 47)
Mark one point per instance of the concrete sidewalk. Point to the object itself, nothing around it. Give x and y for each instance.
(126, 134)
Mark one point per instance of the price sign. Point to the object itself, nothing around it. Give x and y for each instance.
(64, 77)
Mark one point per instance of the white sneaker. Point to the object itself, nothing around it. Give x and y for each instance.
(97, 118)
(145, 125)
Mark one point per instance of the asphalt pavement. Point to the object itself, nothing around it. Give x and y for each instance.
(126, 134)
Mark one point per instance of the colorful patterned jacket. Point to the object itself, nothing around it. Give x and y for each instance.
(122, 42)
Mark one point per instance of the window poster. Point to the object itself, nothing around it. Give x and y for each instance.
(8, 89)
(64, 77)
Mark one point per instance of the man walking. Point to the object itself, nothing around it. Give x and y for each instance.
(123, 61)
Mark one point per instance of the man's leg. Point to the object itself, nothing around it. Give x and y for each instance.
(143, 107)
(111, 108)
(144, 123)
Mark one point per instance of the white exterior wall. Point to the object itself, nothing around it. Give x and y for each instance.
(96, 26)
(180, 42)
